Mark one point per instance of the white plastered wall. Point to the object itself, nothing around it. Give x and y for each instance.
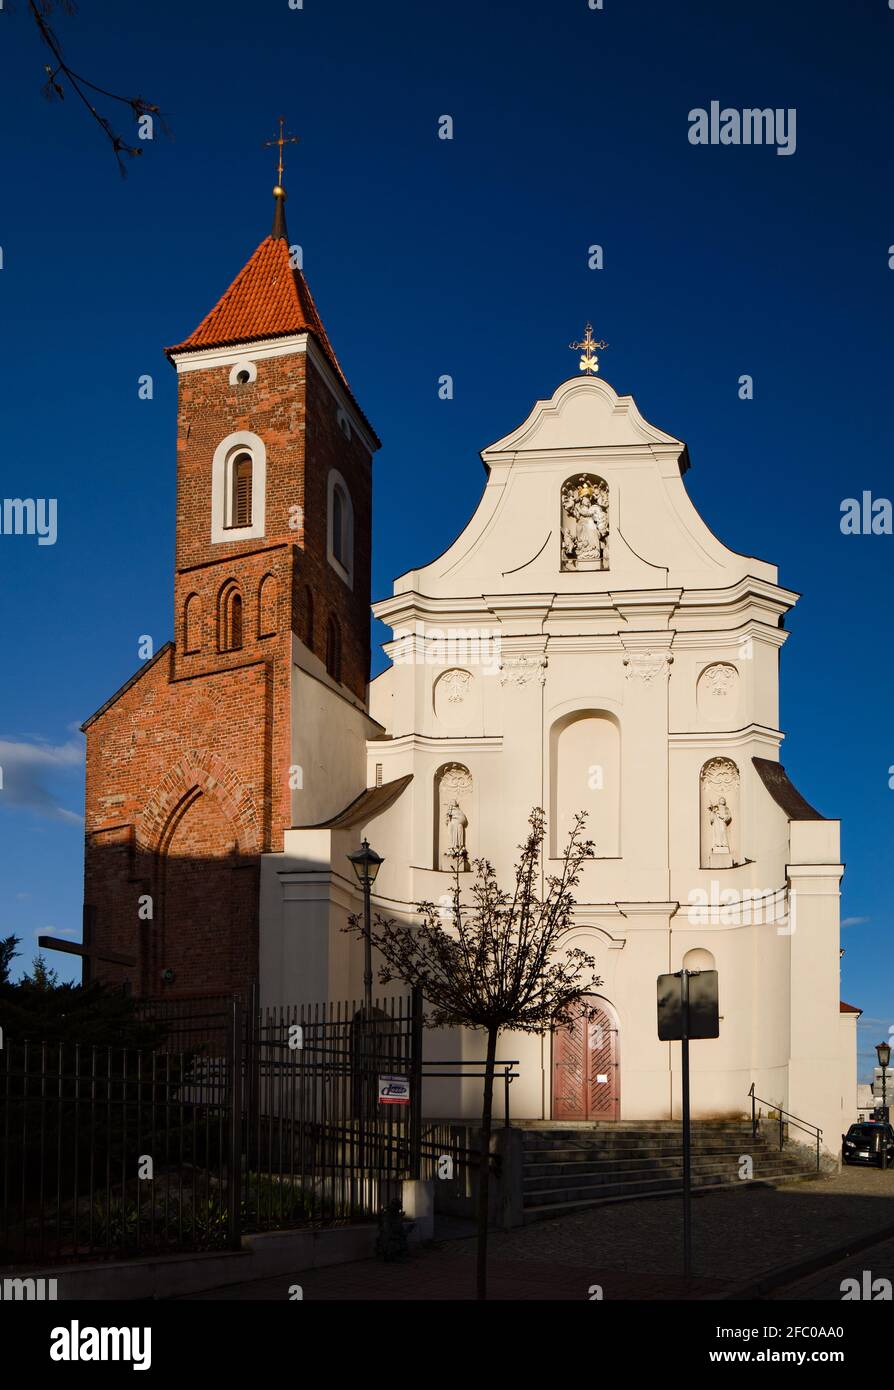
(632, 643)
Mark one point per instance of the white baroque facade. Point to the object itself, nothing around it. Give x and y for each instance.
(588, 644)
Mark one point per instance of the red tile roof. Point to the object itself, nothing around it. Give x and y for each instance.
(268, 299)
(848, 1008)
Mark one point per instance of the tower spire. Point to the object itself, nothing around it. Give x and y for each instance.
(279, 193)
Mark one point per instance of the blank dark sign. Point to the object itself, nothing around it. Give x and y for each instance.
(704, 1012)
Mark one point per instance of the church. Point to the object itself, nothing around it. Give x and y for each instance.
(586, 643)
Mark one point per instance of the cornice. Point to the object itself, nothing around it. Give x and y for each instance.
(732, 738)
(257, 350)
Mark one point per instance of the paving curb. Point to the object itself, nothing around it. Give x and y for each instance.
(789, 1274)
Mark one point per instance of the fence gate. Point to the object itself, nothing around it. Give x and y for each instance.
(229, 1119)
(318, 1143)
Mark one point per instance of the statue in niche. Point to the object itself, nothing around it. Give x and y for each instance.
(456, 833)
(720, 817)
(720, 804)
(585, 526)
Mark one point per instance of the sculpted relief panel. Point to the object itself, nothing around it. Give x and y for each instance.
(585, 523)
(717, 694)
(453, 697)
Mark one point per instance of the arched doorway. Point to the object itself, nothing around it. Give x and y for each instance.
(586, 1070)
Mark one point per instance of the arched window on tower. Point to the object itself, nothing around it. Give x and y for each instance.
(238, 488)
(229, 617)
(333, 649)
(235, 622)
(240, 502)
(338, 525)
(340, 528)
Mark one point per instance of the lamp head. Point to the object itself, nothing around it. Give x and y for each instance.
(366, 864)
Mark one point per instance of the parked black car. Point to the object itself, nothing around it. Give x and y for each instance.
(863, 1143)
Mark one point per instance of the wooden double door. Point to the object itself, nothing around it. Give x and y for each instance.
(586, 1071)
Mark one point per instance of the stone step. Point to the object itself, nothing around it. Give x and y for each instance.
(551, 1210)
(537, 1185)
(556, 1166)
(618, 1127)
(569, 1166)
(540, 1126)
(557, 1152)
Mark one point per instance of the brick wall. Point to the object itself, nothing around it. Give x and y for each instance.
(187, 769)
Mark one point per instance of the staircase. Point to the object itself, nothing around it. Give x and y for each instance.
(570, 1166)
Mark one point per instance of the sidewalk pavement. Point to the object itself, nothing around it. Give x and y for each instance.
(630, 1250)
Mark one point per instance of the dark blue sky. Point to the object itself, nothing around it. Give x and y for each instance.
(470, 258)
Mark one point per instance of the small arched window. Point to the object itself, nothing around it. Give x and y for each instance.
(340, 528)
(338, 525)
(240, 502)
(238, 488)
(229, 618)
(235, 622)
(333, 649)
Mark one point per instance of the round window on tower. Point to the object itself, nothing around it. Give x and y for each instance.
(242, 373)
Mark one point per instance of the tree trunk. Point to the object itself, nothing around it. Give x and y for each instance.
(484, 1164)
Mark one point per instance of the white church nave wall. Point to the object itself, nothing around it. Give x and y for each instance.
(628, 668)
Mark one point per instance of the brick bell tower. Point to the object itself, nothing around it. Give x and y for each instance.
(190, 766)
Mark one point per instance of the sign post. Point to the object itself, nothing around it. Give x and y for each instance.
(687, 1133)
(687, 1008)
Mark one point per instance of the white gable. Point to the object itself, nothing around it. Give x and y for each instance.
(513, 541)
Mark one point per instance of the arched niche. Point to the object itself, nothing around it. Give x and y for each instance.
(585, 522)
(720, 814)
(717, 694)
(454, 830)
(268, 598)
(192, 624)
(698, 959)
(229, 617)
(585, 775)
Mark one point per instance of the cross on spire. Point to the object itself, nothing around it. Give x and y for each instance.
(279, 193)
(589, 362)
(280, 141)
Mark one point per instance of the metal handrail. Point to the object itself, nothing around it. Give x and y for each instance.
(508, 1076)
(789, 1118)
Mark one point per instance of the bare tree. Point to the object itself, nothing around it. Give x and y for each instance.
(61, 75)
(495, 963)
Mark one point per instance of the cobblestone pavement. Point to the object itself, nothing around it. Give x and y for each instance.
(632, 1250)
(866, 1267)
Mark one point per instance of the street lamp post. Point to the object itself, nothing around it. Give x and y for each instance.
(366, 865)
(884, 1060)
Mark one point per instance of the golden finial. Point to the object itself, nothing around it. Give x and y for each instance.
(279, 191)
(589, 362)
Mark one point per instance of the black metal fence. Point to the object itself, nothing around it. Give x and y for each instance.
(236, 1120)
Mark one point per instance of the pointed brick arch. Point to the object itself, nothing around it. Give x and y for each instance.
(200, 772)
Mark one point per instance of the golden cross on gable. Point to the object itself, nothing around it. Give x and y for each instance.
(589, 362)
(281, 140)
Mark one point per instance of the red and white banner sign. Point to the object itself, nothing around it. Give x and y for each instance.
(394, 1090)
